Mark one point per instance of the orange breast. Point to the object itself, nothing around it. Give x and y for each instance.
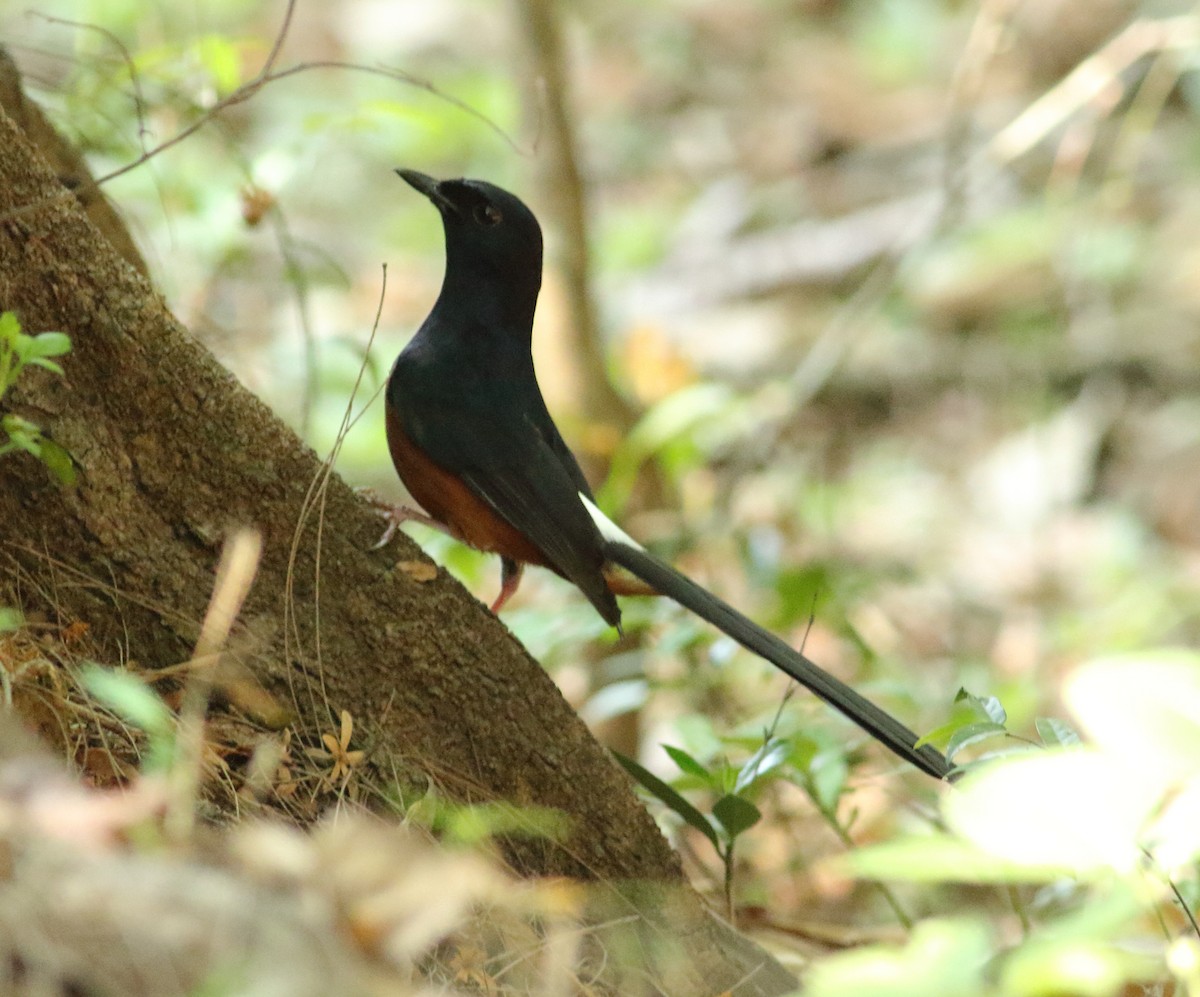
(448, 500)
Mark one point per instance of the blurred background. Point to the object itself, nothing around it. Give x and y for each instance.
(879, 318)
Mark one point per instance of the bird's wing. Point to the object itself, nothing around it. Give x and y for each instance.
(544, 425)
(508, 460)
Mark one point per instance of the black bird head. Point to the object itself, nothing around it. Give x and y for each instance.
(493, 244)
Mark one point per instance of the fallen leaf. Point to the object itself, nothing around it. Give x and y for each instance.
(418, 571)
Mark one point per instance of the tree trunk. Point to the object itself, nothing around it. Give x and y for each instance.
(173, 454)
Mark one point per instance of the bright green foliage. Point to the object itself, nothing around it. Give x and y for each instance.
(733, 787)
(1111, 830)
(978, 719)
(733, 813)
(18, 351)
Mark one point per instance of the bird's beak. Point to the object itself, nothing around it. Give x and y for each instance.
(429, 187)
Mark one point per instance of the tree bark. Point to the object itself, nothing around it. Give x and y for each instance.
(173, 454)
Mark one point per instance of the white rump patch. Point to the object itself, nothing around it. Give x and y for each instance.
(608, 529)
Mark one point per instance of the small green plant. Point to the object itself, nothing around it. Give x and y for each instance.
(19, 350)
(733, 813)
(977, 719)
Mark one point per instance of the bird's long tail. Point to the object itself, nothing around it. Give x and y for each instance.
(880, 725)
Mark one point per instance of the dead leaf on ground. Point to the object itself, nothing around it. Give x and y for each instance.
(418, 571)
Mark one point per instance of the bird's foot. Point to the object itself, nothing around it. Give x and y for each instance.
(396, 515)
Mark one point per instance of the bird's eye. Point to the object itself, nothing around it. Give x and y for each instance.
(487, 215)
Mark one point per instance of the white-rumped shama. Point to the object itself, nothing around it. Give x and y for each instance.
(473, 442)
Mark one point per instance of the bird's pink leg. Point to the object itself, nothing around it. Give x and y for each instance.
(510, 580)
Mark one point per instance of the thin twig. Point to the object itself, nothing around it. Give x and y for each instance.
(983, 43)
(235, 575)
(242, 93)
(139, 101)
(1090, 79)
(315, 499)
(268, 74)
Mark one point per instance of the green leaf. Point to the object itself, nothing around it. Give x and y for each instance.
(50, 365)
(773, 753)
(10, 325)
(1056, 733)
(50, 344)
(669, 798)
(10, 619)
(1144, 707)
(985, 706)
(59, 461)
(22, 347)
(736, 814)
(687, 763)
(861, 645)
(1086, 951)
(819, 768)
(1094, 968)
(942, 733)
(827, 778)
(12, 424)
(940, 858)
(973, 734)
(992, 707)
(1174, 836)
(22, 435)
(129, 697)
(948, 958)
(804, 753)
(1076, 808)
(220, 57)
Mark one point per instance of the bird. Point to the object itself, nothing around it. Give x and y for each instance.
(472, 440)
